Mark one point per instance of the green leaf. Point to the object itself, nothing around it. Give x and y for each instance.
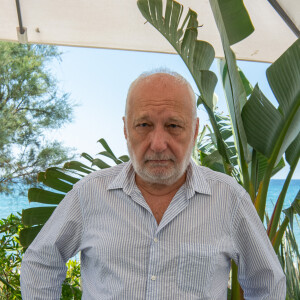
(284, 77)
(87, 156)
(107, 148)
(292, 153)
(61, 174)
(246, 83)
(201, 136)
(235, 18)
(111, 156)
(270, 130)
(234, 24)
(214, 161)
(57, 180)
(43, 196)
(203, 55)
(41, 176)
(208, 143)
(236, 98)
(293, 209)
(100, 163)
(124, 158)
(36, 215)
(78, 166)
(208, 81)
(278, 167)
(27, 235)
(262, 123)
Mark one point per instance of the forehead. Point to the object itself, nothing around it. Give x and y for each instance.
(160, 92)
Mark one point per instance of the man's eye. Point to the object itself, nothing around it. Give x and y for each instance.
(173, 126)
(143, 125)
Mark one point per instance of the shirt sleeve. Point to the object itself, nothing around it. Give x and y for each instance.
(43, 268)
(259, 271)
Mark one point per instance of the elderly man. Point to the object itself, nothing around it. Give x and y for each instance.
(158, 227)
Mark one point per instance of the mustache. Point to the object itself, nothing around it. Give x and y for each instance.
(159, 156)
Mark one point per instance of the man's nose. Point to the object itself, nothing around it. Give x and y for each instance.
(158, 140)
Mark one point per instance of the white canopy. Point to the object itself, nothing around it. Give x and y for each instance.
(118, 24)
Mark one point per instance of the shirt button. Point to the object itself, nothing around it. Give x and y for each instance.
(155, 240)
(153, 277)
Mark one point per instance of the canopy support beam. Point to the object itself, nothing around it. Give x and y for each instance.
(285, 17)
(21, 31)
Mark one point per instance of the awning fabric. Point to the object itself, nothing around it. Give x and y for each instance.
(118, 24)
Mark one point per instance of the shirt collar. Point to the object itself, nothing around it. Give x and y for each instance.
(125, 179)
(195, 180)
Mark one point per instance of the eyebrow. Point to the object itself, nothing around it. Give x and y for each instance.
(142, 118)
(169, 120)
(176, 120)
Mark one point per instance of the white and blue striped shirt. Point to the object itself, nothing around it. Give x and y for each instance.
(125, 254)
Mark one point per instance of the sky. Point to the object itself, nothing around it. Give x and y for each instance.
(98, 80)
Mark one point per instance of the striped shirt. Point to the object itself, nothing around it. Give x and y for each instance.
(125, 254)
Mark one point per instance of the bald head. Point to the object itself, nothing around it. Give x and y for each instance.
(166, 79)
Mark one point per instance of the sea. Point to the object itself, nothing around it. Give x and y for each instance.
(15, 204)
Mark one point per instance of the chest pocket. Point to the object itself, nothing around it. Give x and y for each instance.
(196, 267)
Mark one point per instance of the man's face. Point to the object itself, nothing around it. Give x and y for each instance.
(160, 128)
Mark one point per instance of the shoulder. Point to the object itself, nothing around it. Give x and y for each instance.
(104, 176)
(220, 181)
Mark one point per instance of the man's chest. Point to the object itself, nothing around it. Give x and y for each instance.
(184, 251)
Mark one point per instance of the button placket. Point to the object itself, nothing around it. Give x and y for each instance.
(153, 267)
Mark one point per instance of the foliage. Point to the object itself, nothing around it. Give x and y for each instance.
(261, 132)
(71, 285)
(206, 149)
(30, 103)
(289, 258)
(10, 258)
(11, 253)
(58, 181)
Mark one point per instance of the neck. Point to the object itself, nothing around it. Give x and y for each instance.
(156, 189)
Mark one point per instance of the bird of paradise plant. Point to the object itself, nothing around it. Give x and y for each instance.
(261, 132)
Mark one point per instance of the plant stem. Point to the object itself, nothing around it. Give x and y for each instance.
(279, 234)
(235, 287)
(278, 208)
(6, 283)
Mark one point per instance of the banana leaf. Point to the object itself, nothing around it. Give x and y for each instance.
(234, 25)
(27, 235)
(36, 215)
(271, 130)
(44, 196)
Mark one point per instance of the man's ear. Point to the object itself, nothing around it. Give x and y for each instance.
(124, 128)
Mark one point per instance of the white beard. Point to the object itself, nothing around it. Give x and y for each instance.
(163, 176)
